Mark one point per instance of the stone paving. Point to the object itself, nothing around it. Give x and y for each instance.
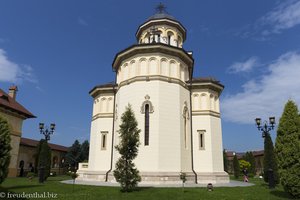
(232, 183)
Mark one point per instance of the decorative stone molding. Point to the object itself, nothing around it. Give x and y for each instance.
(147, 101)
(185, 111)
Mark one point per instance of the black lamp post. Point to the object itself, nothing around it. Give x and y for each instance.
(47, 132)
(266, 128)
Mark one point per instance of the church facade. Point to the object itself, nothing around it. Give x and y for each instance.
(178, 114)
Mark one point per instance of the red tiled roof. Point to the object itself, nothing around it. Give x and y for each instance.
(34, 143)
(258, 153)
(9, 103)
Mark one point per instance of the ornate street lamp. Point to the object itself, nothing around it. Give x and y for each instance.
(265, 128)
(47, 132)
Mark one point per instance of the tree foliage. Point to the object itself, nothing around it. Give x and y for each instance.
(73, 156)
(77, 153)
(244, 165)
(84, 151)
(126, 173)
(44, 157)
(287, 148)
(270, 160)
(250, 158)
(225, 161)
(4, 148)
(236, 167)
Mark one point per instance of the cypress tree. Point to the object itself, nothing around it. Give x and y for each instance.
(236, 167)
(4, 148)
(84, 151)
(44, 157)
(250, 158)
(126, 173)
(287, 148)
(225, 161)
(269, 159)
(73, 156)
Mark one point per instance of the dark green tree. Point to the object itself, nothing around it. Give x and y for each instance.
(287, 149)
(225, 161)
(269, 159)
(73, 156)
(84, 151)
(44, 157)
(4, 148)
(126, 173)
(250, 158)
(236, 167)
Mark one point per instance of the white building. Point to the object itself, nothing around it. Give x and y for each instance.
(179, 116)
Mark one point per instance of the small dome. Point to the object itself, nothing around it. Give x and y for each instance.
(161, 16)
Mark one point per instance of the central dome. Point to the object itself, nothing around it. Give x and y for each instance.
(161, 16)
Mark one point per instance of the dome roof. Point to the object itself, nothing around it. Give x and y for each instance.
(161, 16)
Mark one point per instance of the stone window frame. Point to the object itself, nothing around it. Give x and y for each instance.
(201, 139)
(103, 139)
(143, 111)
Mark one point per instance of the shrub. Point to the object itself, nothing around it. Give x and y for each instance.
(4, 148)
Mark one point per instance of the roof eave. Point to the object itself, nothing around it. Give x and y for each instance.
(147, 48)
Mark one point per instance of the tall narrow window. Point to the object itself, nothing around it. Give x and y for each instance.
(103, 140)
(201, 139)
(185, 137)
(185, 115)
(146, 124)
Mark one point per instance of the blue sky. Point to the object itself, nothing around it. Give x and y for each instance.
(56, 51)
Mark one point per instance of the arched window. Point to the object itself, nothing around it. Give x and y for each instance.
(147, 124)
(21, 164)
(185, 115)
(146, 109)
(54, 162)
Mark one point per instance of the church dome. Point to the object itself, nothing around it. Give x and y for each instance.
(161, 16)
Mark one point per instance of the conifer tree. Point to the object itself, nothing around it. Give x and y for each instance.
(73, 156)
(269, 159)
(287, 148)
(84, 151)
(250, 158)
(44, 157)
(126, 173)
(4, 148)
(225, 161)
(236, 167)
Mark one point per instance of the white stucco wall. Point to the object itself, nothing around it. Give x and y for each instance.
(166, 151)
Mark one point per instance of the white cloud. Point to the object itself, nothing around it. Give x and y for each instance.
(245, 66)
(82, 22)
(286, 15)
(267, 95)
(14, 73)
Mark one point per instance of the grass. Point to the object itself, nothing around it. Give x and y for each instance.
(259, 191)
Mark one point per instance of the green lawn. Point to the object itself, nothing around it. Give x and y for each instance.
(65, 191)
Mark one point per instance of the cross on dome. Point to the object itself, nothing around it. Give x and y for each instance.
(161, 8)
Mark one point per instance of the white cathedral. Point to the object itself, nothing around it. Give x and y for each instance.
(179, 115)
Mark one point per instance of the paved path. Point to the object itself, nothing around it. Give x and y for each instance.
(232, 183)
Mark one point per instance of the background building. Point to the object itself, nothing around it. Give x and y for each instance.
(27, 156)
(15, 114)
(258, 156)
